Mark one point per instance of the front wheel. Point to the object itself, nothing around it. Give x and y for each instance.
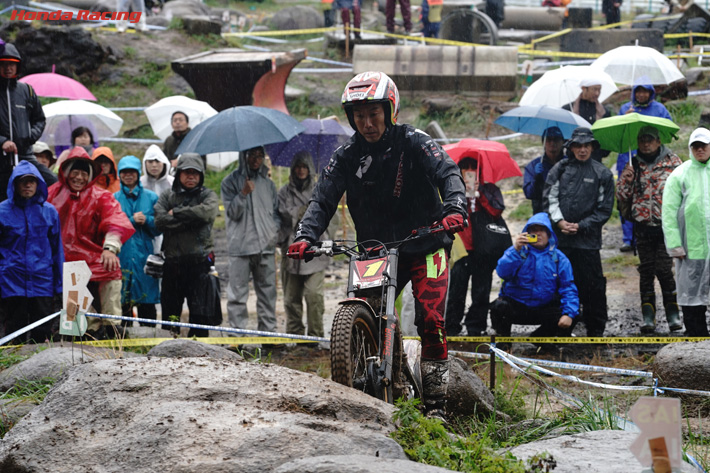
(353, 340)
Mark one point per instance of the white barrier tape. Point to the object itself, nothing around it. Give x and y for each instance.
(29, 327)
(540, 369)
(565, 365)
(211, 327)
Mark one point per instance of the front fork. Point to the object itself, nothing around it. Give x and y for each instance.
(379, 368)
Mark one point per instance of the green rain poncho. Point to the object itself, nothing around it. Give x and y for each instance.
(686, 225)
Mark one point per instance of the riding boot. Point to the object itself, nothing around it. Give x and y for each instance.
(670, 303)
(648, 310)
(435, 380)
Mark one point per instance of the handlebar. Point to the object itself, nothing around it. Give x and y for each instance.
(335, 247)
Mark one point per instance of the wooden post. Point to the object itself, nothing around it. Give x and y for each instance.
(677, 62)
(346, 27)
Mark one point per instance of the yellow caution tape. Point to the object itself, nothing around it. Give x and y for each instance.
(514, 191)
(539, 52)
(149, 342)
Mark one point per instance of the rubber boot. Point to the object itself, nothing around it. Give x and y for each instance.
(648, 310)
(435, 381)
(670, 303)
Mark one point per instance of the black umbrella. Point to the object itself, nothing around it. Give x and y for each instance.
(240, 129)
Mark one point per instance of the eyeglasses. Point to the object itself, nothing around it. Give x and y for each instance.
(698, 145)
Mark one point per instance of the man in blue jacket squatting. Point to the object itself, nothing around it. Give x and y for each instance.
(538, 286)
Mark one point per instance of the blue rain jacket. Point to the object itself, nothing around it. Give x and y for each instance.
(534, 277)
(138, 287)
(651, 109)
(31, 251)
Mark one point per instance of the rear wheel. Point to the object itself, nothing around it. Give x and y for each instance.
(353, 339)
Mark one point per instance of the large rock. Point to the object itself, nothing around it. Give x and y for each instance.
(200, 25)
(467, 394)
(194, 414)
(53, 362)
(183, 8)
(601, 451)
(684, 365)
(355, 464)
(189, 348)
(297, 18)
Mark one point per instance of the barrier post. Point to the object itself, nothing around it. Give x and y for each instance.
(493, 364)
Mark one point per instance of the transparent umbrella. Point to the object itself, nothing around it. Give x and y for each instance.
(626, 64)
(558, 87)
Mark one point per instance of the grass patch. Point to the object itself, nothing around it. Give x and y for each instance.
(24, 391)
(522, 212)
(686, 112)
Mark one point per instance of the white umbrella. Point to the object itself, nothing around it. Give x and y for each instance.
(627, 64)
(66, 115)
(558, 87)
(160, 113)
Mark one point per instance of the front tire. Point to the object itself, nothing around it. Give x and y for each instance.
(353, 339)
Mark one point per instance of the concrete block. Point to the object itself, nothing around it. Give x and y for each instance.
(591, 41)
(533, 18)
(489, 71)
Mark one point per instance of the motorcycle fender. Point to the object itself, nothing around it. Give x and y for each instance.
(362, 302)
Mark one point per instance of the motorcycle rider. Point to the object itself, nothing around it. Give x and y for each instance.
(397, 179)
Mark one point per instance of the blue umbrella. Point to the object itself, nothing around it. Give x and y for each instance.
(320, 139)
(535, 119)
(240, 129)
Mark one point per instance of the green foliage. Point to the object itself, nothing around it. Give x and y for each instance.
(23, 391)
(685, 112)
(461, 116)
(130, 52)
(427, 441)
(302, 107)
(522, 212)
(10, 357)
(213, 179)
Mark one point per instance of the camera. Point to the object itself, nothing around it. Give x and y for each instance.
(532, 238)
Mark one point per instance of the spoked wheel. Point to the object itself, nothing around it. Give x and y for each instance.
(353, 340)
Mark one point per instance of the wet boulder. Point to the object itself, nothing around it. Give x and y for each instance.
(355, 464)
(182, 347)
(194, 414)
(684, 365)
(467, 394)
(297, 18)
(183, 8)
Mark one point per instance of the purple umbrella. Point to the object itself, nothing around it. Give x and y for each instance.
(320, 139)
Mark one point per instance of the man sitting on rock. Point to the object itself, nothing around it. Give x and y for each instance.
(538, 286)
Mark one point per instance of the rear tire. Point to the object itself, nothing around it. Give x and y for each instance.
(353, 339)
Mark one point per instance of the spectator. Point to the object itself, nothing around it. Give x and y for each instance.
(136, 6)
(536, 171)
(687, 231)
(397, 179)
(44, 155)
(21, 120)
(80, 136)
(642, 102)
(181, 127)
(156, 171)
(345, 6)
(301, 280)
(108, 177)
(638, 193)
(495, 9)
(431, 17)
(477, 254)
(611, 9)
(253, 220)
(406, 9)
(93, 230)
(579, 196)
(31, 254)
(139, 289)
(538, 286)
(587, 106)
(185, 215)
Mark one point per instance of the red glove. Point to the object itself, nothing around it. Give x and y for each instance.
(454, 223)
(297, 250)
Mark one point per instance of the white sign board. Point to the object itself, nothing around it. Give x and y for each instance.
(76, 298)
(659, 443)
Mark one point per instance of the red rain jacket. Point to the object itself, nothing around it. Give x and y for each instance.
(86, 217)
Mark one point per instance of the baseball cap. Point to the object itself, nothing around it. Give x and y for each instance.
(40, 147)
(552, 132)
(700, 134)
(649, 130)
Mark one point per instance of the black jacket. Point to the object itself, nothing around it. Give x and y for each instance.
(26, 115)
(583, 193)
(401, 183)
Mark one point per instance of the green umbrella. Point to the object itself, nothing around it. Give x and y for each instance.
(620, 133)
